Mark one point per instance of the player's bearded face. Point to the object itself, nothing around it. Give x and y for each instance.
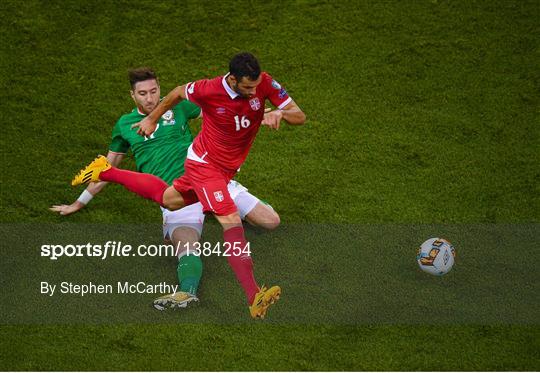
(246, 87)
(146, 95)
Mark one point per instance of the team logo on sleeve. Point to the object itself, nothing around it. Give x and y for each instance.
(218, 196)
(255, 103)
(276, 85)
(282, 93)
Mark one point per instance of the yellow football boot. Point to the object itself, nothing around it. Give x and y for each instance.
(180, 299)
(264, 299)
(91, 172)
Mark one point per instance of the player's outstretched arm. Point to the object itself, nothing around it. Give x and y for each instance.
(148, 125)
(291, 113)
(93, 189)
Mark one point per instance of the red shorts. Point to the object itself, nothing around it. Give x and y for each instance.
(207, 184)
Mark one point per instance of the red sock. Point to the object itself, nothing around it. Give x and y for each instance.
(241, 265)
(146, 185)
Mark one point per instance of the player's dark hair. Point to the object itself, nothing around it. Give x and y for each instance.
(245, 64)
(140, 75)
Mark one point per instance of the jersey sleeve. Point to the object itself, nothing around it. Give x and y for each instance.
(277, 95)
(197, 91)
(118, 142)
(190, 110)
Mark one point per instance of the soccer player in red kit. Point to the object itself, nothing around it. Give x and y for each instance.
(233, 109)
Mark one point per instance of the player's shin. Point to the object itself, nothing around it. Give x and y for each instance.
(241, 262)
(147, 186)
(189, 273)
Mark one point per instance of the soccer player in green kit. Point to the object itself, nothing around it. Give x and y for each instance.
(163, 154)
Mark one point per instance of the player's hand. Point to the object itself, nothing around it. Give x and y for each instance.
(272, 119)
(67, 209)
(145, 127)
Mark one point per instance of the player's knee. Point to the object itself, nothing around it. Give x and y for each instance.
(263, 216)
(172, 199)
(183, 239)
(173, 204)
(272, 221)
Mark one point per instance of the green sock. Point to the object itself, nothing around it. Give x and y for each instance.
(189, 272)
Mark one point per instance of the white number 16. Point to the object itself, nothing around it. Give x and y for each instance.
(241, 123)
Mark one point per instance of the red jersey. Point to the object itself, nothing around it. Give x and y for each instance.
(230, 122)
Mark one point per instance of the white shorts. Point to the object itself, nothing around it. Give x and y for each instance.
(192, 216)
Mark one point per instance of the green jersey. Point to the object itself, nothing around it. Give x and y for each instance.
(163, 152)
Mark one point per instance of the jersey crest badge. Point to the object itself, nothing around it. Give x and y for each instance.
(255, 104)
(218, 196)
(168, 115)
(168, 118)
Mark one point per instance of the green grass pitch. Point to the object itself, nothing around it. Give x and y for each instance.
(423, 117)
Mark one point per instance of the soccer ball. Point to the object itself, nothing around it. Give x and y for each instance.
(436, 256)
